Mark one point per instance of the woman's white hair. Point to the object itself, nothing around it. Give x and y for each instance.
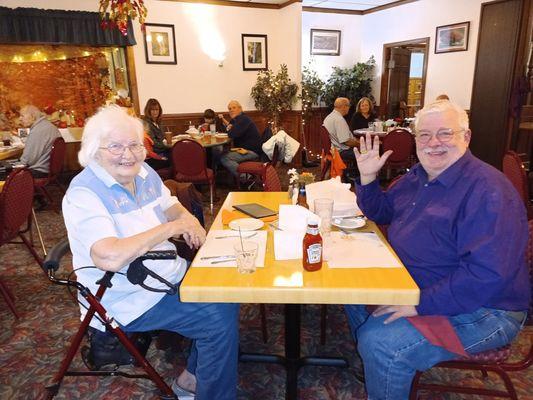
(441, 106)
(106, 121)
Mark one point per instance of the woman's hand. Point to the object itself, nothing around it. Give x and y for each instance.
(368, 160)
(188, 226)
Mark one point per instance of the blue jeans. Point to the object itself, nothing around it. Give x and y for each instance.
(215, 333)
(231, 160)
(393, 353)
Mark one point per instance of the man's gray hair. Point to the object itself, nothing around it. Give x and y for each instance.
(108, 120)
(442, 106)
(341, 101)
(32, 111)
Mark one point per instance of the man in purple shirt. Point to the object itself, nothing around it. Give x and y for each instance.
(461, 230)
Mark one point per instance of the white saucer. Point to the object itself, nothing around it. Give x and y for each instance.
(221, 135)
(246, 224)
(348, 223)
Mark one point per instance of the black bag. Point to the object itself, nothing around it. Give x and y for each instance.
(106, 350)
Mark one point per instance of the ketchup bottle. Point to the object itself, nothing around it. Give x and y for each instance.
(312, 248)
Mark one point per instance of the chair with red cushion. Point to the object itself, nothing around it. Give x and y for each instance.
(402, 143)
(492, 360)
(255, 168)
(16, 200)
(514, 170)
(57, 157)
(325, 147)
(189, 161)
(270, 178)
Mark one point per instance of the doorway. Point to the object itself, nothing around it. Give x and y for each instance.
(403, 79)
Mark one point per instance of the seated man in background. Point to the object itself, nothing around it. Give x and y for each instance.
(461, 230)
(36, 154)
(246, 139)
(339, 133)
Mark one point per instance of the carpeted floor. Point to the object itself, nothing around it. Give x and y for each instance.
(32, 347)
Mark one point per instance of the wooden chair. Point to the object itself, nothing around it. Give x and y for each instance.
(492, 360)
(402, 143)
(255, 168)
(514, 170)
(189, 161)
(57, 157)
(325, 147)
(16, 200)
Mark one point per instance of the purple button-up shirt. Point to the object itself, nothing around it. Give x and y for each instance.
(462, 236)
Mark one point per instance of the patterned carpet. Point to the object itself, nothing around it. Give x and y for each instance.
(32, 347)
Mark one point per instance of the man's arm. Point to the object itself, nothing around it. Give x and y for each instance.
(33, 148)
(240, 126)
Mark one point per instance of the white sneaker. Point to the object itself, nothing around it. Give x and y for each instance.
(180, 392)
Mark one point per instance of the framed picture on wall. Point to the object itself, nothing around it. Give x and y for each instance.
(452, 37)
(159, 44)
(325, 42)
(254, 52)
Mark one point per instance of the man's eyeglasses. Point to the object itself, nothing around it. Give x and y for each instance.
(118, 149)
(442, 135)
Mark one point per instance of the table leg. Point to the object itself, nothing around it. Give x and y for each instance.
(292, 360)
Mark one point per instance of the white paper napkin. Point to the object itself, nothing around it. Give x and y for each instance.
(288, 244)
(358, 250)
(224, 247)
(344, 200)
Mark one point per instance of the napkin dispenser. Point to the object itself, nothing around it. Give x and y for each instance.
(292, 226)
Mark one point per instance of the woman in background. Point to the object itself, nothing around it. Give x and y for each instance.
(152, 117)
(364, 113)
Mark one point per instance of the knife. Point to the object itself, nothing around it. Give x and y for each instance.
(220, 257)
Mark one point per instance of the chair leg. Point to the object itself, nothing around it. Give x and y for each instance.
(10, 299)
(323, 322)
(264, 331)
(33, 252)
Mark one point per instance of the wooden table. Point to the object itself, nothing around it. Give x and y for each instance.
(286, 282)
(11, 153)
(205, 140)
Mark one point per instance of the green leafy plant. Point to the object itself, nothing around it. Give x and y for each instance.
(352, 83)
(312, 90)
(274, 93)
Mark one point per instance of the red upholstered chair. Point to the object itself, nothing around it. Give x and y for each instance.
(57, 157)
(270, 178)
(255, 168)
(16, 200)
(325, 147)
(189, 161)
(492, 360)
(514, 170)
(402, 143)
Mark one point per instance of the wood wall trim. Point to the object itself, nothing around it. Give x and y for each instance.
(132, 78)
(288, 3)
(331, 10)
(230, 3)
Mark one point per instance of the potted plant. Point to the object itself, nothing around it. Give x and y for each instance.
(274, 93)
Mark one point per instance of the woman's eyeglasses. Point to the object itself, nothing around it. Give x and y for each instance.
(118, 149)
(442, 135)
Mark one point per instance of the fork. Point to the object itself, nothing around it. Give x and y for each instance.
(236, 236)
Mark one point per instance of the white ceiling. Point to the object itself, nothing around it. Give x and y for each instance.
(360, 5)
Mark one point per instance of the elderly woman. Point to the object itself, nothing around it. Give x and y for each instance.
(364, 113)
(152, 119)
(117, 209)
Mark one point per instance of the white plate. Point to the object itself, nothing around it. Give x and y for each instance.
(348, 223)
(246, 224)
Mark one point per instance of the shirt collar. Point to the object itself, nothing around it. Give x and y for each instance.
(37, 121)
(108, 180)
(450, 174)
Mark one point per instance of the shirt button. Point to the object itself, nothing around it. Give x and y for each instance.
(425, 185)
(414, 203)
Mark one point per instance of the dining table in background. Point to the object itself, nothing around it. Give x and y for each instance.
(285, 282)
